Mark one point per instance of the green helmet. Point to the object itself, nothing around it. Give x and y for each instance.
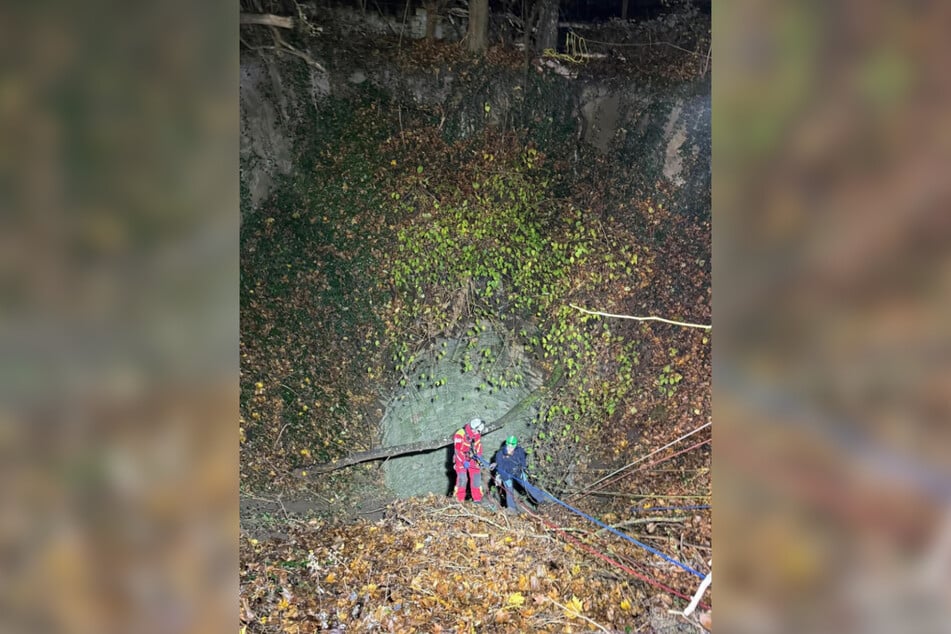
(511, 441)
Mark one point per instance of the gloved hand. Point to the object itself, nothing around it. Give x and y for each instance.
(492, 467)
(465, 464)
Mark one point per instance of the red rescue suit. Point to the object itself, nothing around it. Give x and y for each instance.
(466, 443)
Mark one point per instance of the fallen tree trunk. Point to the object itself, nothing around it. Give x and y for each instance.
(418, 447)
(383, 452)
(267, 19)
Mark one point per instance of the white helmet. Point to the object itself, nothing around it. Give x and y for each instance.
(477, 425)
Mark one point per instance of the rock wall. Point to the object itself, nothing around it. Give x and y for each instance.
(443, 401)
(273, 103)
(449, 26)
(658, 133)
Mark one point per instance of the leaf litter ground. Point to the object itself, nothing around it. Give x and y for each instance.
(434, 565)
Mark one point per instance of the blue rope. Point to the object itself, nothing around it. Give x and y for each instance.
(671, 508)
(531, 488)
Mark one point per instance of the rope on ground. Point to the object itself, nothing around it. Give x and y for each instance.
(649, 549)
(594, 485)
(647, 466)
(651, 318)
(699, 593)
(575, 49)
(652, 464)
(611, 561)
(540, 494)
(593, 488)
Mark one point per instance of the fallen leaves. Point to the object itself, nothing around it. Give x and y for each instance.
(373, 577)
(515, 600)
(573, 607)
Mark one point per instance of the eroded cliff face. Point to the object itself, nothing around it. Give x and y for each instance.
(276, 98)
(658, 127)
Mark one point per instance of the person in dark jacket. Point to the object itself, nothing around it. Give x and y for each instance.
(509, 461)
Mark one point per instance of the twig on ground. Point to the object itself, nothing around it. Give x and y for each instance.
(467, 513)
(644, 520)
(691, 621)
(582, 616)
(276, 440)
(279, 502)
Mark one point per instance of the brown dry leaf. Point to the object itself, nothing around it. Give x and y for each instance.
(706, 620)
(246, 613)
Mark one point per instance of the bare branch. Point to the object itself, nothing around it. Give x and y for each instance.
(281, 46)
(645, 520)
(267, 19)
(417, 447)
(666, 321)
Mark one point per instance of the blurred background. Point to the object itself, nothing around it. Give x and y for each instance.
(118, 316)
(832, 271)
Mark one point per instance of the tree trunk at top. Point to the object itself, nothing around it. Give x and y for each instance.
(477, 37)
(546, 29)
(624, 9)
(432, 17)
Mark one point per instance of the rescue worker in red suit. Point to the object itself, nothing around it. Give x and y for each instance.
(467, 443)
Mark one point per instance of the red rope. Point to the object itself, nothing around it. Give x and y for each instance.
(613, 562)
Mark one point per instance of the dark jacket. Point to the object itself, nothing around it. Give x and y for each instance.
(508, 465)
